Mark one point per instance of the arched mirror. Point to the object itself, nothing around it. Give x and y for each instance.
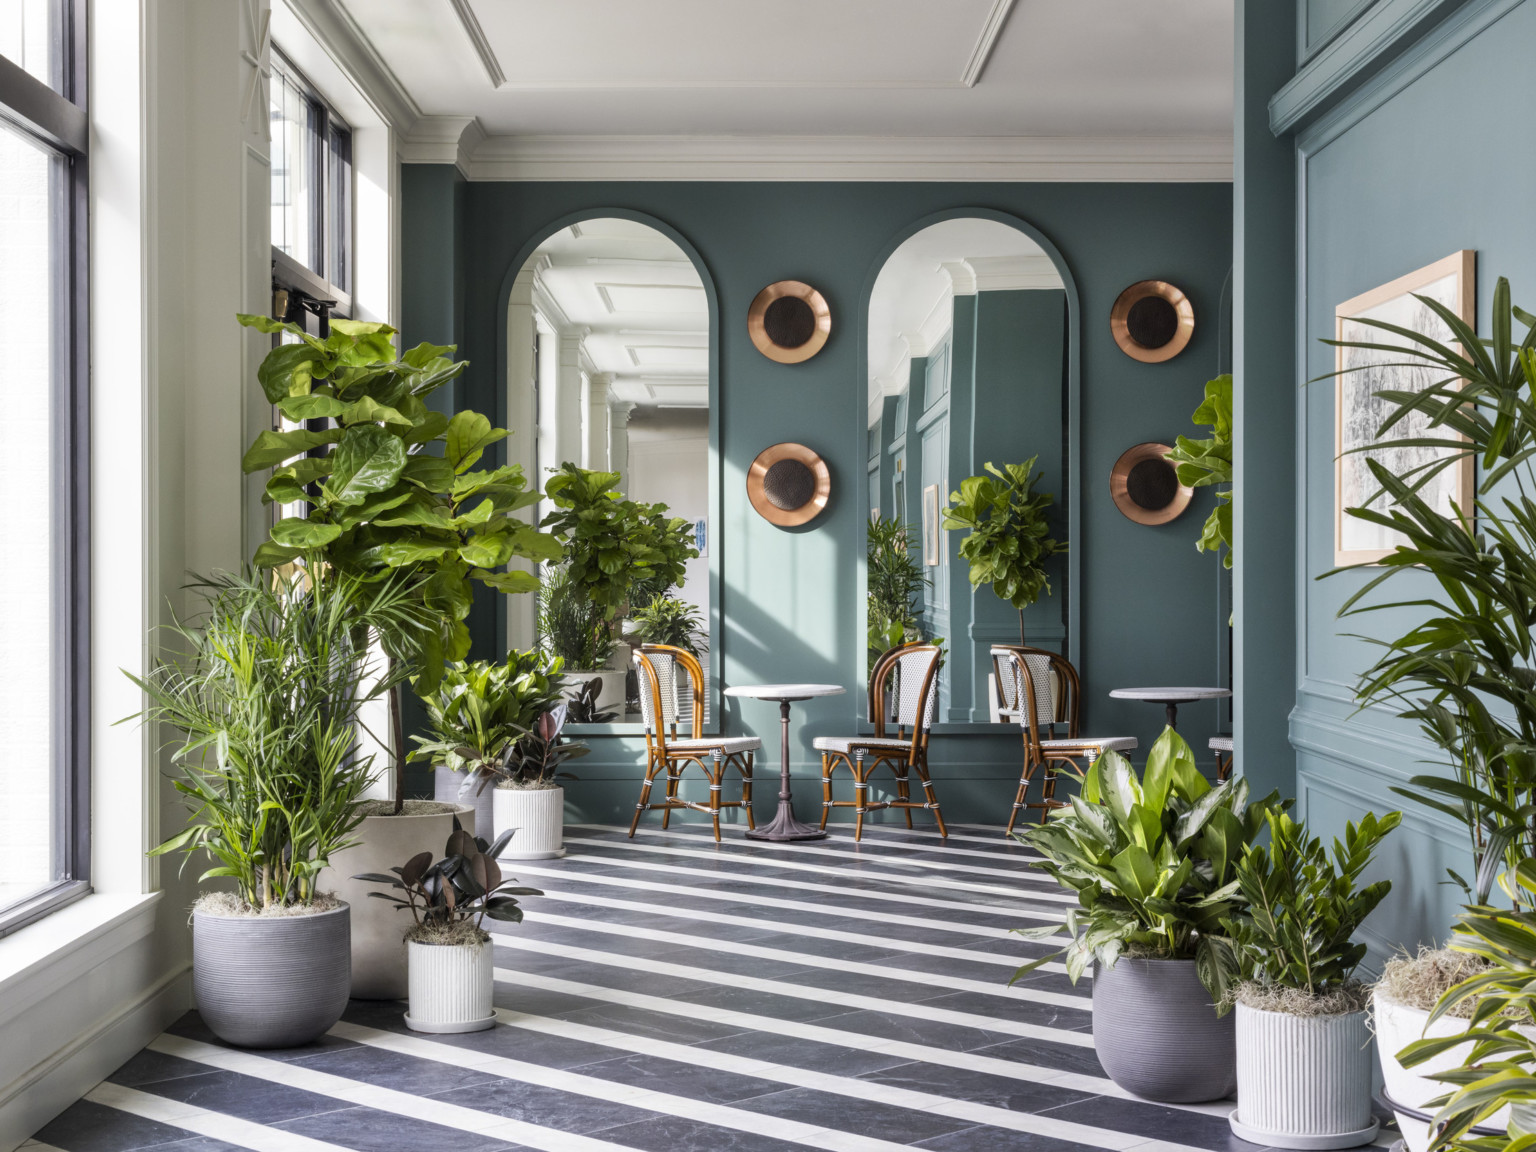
(609, 368)
(970, 361)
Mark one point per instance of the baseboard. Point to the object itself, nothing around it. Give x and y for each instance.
(90, 1058)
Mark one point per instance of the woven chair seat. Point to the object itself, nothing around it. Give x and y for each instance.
(1220, 744)
(727, 744)
(845, 744)
(1104, 744)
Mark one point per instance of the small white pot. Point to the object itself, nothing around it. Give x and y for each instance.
(1397, 1026)
(451, 987)
(538, 814)
(1303, 1081)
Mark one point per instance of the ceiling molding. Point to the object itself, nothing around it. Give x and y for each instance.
(916, 158)
(1011, 273)
(471, 25)
(990, 31)
(962, 279)
(437, 140)
(337, 33)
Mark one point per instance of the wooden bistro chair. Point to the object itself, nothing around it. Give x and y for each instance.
(914, 669)
(1041, 691)
(1222, 746)
(660, 669)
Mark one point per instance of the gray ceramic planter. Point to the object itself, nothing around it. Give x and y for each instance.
(1157, 1033)
(271, 981)
(446, 784)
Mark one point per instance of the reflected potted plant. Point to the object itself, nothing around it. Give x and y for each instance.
(452, 964)
(894, 582)
(528, 796)
(1303, 1034)
(574, 631)
(1153, 862)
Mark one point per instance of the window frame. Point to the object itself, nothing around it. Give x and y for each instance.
(55, 118)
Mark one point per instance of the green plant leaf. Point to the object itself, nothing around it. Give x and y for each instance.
(368, 460)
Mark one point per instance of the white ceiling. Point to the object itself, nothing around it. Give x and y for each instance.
(1157, 72)
(640, 304)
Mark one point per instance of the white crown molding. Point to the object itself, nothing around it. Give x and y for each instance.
(962, 282)
(916, 158)
(1010, 273)
(477, 39)
(338, 34)
(990, 31)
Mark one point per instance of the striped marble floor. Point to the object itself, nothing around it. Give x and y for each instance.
(667, 994)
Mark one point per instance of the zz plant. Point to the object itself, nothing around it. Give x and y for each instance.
(1153, 861)
(1009, 537)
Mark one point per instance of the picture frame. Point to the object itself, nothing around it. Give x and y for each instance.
(1358, 412)
(931, 525)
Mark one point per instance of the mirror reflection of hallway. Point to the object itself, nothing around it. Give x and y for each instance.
(608, 367)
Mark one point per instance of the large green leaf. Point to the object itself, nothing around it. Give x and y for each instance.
(469, 434)
(367, 460)
(297, 532)
(275, 447)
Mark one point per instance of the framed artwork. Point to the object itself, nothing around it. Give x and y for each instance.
(931, 525)
(1359, 412)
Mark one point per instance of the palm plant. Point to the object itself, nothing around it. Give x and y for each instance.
(669, 620)
(571, 627)
(894, 583)
(1466, 673)
(264, 692)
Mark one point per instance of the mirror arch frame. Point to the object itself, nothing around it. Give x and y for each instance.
(538, 236)
(1073, 430)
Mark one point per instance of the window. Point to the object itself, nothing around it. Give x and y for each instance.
(44, 765)
(311, 191)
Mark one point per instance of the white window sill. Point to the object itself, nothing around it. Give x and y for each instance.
(50, 953)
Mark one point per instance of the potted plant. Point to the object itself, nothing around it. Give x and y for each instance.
(894, 582)
(528, 798)
(480, 709)
(1464, 670)
(669, 620)
(574, 631)
(1209, 461)
(1153, 862)
(1009, 538)
(452, 965)
(264, 693)
(1303, 1037)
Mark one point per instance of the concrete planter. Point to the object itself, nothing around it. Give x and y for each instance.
(378, 927)
(1303, 1081)
(447, 788)
(538, 814)
(451, 987)
(1409, 1091)
(271, 981)
(1157, 1033)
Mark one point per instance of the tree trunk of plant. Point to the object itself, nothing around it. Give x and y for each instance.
(1021, 627)
(397, 741)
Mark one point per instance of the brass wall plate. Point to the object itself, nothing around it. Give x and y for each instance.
(788, 484)
(789, 322)
(1152, 321)
(1145, 485)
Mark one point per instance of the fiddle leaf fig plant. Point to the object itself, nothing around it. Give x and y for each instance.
(1009, 538)
(1209, 461)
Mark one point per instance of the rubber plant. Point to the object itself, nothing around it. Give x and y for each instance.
(390, 486)
(1202, 463)
(1009, 537)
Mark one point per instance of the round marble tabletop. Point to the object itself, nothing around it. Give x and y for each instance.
(786, 691)
(1170, 695)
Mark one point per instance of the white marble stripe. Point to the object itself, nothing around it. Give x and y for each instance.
(700, 1111)
(949, 983)
(205, 1122)
(846, 1001)
(747, 879)
(755, 850)
(814, 931)
(1005, 848)
(872, 1091)
(1054, 896)
(734, 896)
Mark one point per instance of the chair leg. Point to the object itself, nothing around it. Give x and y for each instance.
(746, 791)
(1018, 800)
(716, 783)
(933, 800)
(1047, 790)
(826, 789)
(904, 793)
(645, 796)
(860, 796)
(672, 780)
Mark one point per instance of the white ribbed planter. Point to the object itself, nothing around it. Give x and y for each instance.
(1303, 1081)
(1397, 1026)
(451, 986)
(538, 814)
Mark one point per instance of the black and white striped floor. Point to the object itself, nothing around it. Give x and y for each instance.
(667, 994)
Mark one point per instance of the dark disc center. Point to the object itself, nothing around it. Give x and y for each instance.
(789, 484)
(1152, 322)
(789, 322)
(1152, 484)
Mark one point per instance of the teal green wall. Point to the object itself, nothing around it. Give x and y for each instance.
(790, 599)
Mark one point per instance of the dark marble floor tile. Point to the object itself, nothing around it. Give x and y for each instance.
(663, 1025)
(200, 1144)
(515, 1043)
(248, 1097)
(985, 1139)
(1064, 1057)
(823, 946)
(396, 1070)
(546, 1107)
(369, 1130)
(86, 1126)
(1021, 1011)
(1154, 1121)
(935, 1033)
(839, 983)
(715, 1085)
(674, 1134)
(964, 1084)
(798, 1053)
(765, 1003)
(147, 1067)
(928, 964)
(538, 1001)
(191, 1027)
(847, 1114)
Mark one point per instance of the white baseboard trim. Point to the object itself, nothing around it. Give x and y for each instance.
(72, 1071)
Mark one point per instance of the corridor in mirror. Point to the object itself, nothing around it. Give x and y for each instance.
(671, 997)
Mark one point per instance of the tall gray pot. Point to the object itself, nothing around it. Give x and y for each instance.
(271, 981)
(446, 784)
(1157, 1033)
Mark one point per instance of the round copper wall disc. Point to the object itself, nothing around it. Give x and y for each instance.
(1146, 486)
(789, 322)
(788, 484)
(1152, 321)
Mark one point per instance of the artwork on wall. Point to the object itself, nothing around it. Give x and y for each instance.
(1152, 321)
(1359, 411)
(789, 321)
(931, 525)
(788, 484)
(1145, 485)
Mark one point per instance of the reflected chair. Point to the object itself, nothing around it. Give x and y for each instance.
(1040, 690)
(664, 672)
(1222, 746)
(905, 682)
